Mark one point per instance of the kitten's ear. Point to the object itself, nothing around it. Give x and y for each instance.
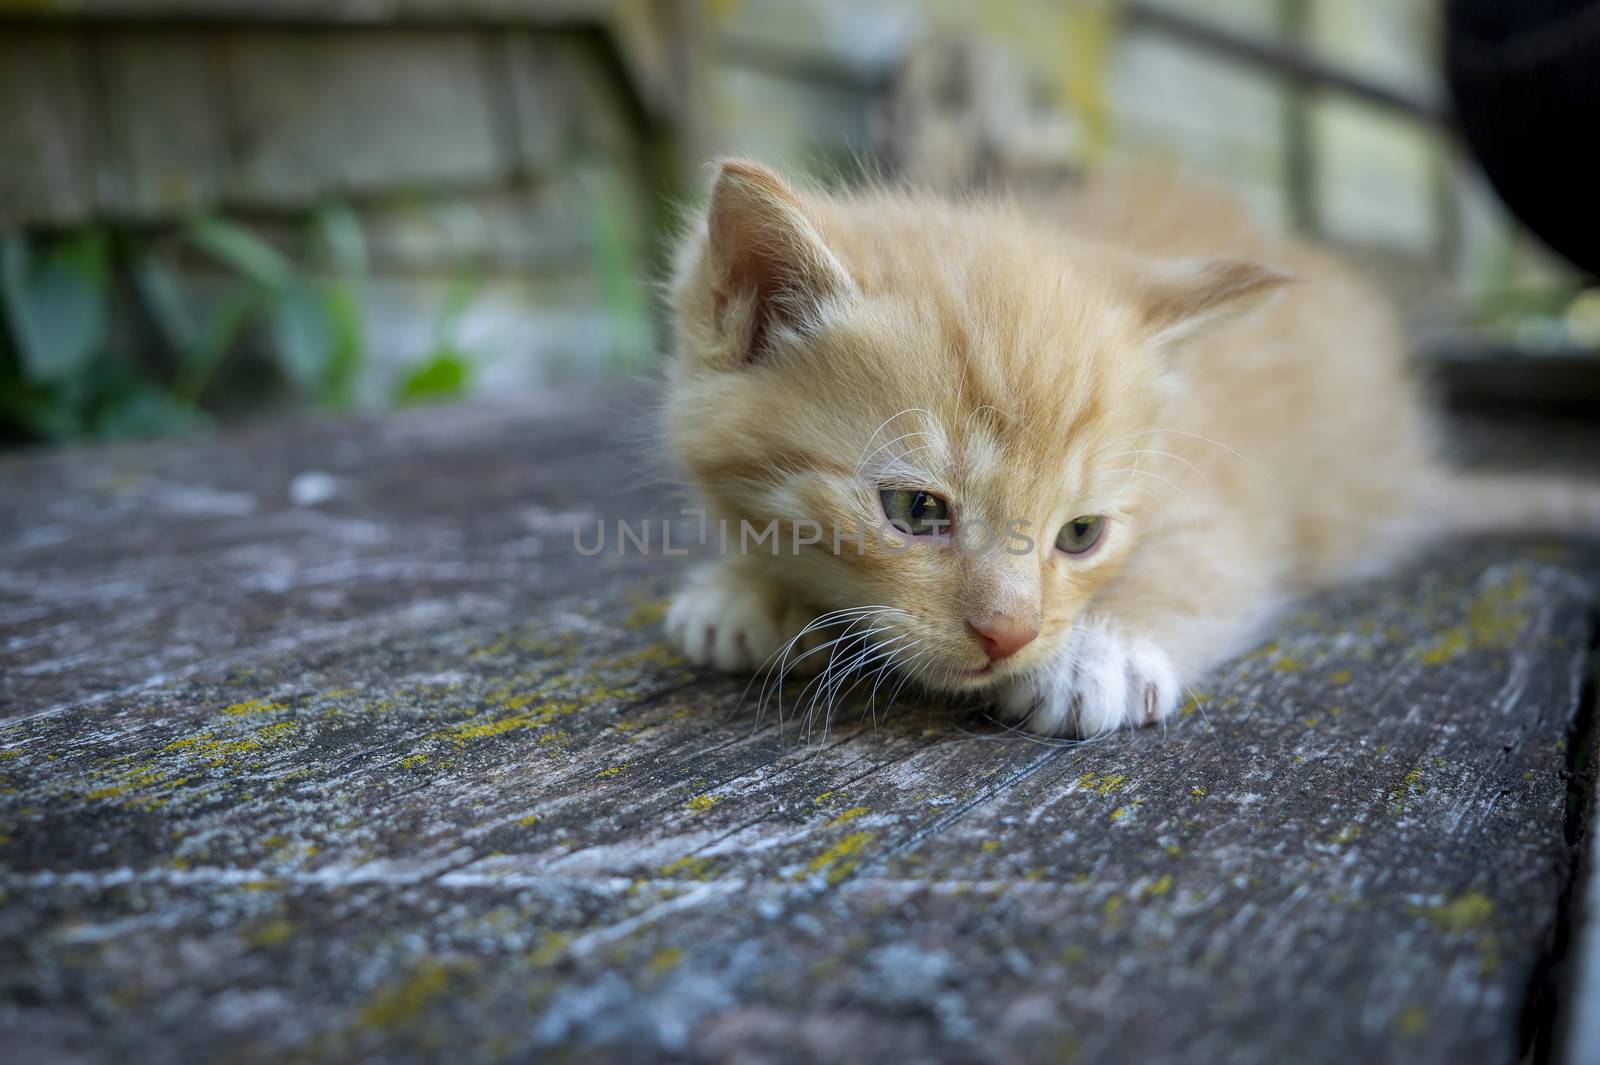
(1181, 300)
(769, 266)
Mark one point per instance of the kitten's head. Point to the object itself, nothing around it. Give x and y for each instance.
(890, 362)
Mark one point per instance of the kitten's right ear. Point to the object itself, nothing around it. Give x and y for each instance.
(769, 267)
(1183, 299)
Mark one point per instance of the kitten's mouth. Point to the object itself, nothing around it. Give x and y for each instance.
(977, 676)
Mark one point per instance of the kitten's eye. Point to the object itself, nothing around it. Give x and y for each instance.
(1080, 535)
(915, 513)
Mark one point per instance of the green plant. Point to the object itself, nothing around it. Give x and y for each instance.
(445, 370)
(314, 322)
(65, 372)
(64, 377)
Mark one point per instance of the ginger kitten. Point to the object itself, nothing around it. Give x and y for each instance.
(1163, 424)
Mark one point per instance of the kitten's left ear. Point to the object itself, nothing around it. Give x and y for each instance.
(769, 265)
(1181, 300)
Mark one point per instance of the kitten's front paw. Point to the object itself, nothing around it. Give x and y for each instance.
(1102, 680)
(724, 620)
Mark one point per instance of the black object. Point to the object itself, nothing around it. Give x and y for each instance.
(1525, 78)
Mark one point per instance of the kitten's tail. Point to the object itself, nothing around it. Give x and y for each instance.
(1504, 503)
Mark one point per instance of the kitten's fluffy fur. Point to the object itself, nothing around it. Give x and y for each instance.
(1250, 431)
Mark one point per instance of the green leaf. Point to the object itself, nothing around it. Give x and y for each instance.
(162, 295)
(302, 338)
(444, 374)
(55, 303)
(36, 412)
(347, 353)
(222, 331)
(242, 251)
(141, 411)
(339, 229)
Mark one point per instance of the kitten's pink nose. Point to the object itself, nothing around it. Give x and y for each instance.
(1003, 636)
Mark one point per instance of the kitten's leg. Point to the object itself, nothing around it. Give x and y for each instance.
(1171, 614)
(732, 619)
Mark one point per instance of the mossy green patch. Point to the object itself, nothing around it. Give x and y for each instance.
(1346, 835)
(838, 860)
(646, 613)
(665, 960)
(408, 999)
(1411, 1021)
(1112, 911)
(689, 867)
(1103, 783)
(1410, 785)
(701, 803)
(1493, 622)
(251, 707)
(1161, 886)
(1469, 912)
(270, 934)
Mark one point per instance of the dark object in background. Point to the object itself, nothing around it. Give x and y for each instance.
(1525, 78)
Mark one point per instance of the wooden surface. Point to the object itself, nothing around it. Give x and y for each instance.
(323, 744)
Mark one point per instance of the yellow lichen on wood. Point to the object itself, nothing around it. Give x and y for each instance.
(251, 707)
(1469, 912)
(701, 803)
(1492, 623)
(646, 613)
(1411, 784)
(689, 866)
(1161, 886)
(1103, 783)
(1412, 1020)
(409, 998)
(665, 960)
(838, 860)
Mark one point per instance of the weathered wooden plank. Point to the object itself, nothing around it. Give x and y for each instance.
(357, 111)
(164, 123)
(48, 137)
(512, 824)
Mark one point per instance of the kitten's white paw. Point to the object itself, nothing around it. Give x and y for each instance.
(1102, 680)
(724, 621)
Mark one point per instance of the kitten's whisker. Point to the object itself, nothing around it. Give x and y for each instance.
(1164, 480)
(830, 663)
(856, 673)
(843, 672)
(1176, 458)
(1199, 705)
(885, 423)
(1215, 443)
(779, 659)
(866, 458)
(894, 662)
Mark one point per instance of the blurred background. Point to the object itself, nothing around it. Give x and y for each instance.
(215, 209)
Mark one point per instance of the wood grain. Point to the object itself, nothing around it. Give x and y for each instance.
(325, 744)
